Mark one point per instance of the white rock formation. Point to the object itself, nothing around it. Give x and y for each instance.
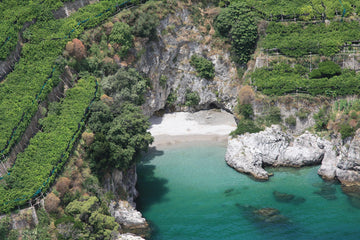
(248, 153)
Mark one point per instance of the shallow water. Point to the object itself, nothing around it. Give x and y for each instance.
(189, 192)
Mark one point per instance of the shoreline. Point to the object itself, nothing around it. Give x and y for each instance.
(182, 128)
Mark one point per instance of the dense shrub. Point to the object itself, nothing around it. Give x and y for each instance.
(237, 23)
(321, 119)
(52, 203)
(326, 69)
(296, 39)
(273, 115)
(191, 98)
(303, 113)
(126, 85)
(245, 126)
(291, 121)
(204, 67)
(283, 79)
(346, 131)
(121, 34)
(245, 110)
(145, 25)
(119, 147)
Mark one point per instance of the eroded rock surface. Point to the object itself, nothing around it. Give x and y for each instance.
(248, 153)
(130, 220)
(169, 57)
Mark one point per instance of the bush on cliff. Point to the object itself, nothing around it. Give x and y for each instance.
(204, 67)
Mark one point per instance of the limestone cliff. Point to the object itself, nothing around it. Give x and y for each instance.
(169, 57)
(249, 153)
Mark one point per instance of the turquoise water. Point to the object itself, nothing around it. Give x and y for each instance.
(189, 192)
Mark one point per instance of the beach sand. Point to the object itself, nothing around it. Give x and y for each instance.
(184, 127)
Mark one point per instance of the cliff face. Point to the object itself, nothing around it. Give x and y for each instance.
(169, 57)
(248, 153)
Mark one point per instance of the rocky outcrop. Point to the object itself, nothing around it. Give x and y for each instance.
(130, 220)
(348, 166)
(122, 184)
(248, 153)
(169, 57)
(129, 236)
(339, 160)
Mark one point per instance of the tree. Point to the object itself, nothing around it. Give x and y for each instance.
(237, 23)
(63, 185)
(145, 25)
(121, 34)
(79, 49)
(52, 203)
(76, 49)
(126, 85)
(121, 145)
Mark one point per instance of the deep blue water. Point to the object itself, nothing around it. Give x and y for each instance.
(189, 192)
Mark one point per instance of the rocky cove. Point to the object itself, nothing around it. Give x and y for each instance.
(211, 120)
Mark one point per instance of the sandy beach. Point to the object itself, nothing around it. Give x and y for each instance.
(185, 127)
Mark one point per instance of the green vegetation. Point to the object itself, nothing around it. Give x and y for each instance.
(48, 150)
(126, 85)
(145, 25)
(298, 39)
(321, 119)
(245, 126)
(283, 79)
(121, 139)
(291, 121)
(170, 101)
(300, 9)
(15, 13)
(163, 79)
(346, 131)
(303, 113)
(237, 23)
(30, 81)
(204, 67)
(191, 98)
(120, 128)
(326, 69)
(121, 34)
(246, 110)
(88, 213)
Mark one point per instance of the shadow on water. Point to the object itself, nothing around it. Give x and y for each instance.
(151, 189)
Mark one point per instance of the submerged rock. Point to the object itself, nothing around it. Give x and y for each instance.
(288, 198)
(227, 191)
(283, 197)
(263, 215)
(353, 193)
(327, 191)
(248, 153)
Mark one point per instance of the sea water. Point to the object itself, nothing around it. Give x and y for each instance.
(188, 192)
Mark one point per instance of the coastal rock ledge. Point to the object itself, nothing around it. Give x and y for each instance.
(249, 153)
